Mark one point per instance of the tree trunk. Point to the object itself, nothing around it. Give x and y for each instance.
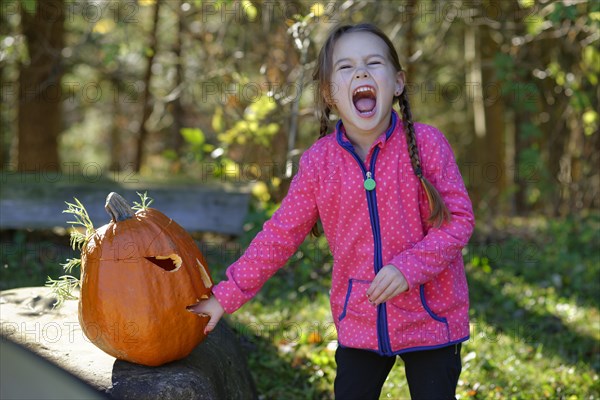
(411, 7)
(146, 98)
(116, 155)
(40, 100)
(3, 124)
(178, 111)
(493, 160)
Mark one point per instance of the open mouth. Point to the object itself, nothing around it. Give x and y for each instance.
(364, 100)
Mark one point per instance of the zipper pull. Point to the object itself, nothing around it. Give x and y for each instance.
(369, 182)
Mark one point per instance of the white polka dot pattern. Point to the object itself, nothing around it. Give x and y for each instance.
(329, 185)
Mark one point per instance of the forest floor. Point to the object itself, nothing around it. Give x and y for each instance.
(535, 309)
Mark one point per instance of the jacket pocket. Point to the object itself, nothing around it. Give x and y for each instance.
(357, 323)
(414, 323)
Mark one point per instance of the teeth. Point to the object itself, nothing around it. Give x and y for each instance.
(363, 89)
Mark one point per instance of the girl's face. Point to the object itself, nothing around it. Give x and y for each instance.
(363, 83)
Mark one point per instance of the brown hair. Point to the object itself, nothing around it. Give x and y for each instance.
(322, 76)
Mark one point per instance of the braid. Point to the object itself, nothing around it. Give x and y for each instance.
(409, 127)
(439, 211)
(322, 75)
(323, 130)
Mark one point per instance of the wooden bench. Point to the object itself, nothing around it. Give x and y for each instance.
(28, 202)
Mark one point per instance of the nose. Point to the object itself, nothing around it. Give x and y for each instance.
(361, 73)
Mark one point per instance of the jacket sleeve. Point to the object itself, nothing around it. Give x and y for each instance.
(440, 246)
(274, 244)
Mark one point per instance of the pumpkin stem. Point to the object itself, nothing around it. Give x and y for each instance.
(117, 207)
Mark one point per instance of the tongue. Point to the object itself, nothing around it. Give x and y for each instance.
(365, 104)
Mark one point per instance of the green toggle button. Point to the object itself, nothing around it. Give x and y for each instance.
(370, 184)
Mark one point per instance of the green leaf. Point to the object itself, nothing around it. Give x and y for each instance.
(218, 123)
(534, 25)
(530, 130)
(580, 100)
(29, 6)
(249, 10)
(526, 3)
(111, 52)
(193, 136)
(79, 239)
(590, 122)
(70, 264)
(556, 15)
(591, 58)
(170, 154)
(63, 288)
(145, 204)
(571, 13)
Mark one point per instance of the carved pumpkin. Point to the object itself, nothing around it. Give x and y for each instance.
(138, 274)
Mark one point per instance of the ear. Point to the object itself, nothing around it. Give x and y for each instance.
(400, 79)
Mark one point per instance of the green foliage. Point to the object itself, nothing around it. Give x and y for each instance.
(535, 311)
(65, 286)
(29, 5)
(82, 220)
(252, 127)
(196, 141)
(535, 322)
(535, 318)
(144, 202)
(27, 258)
(223, 83)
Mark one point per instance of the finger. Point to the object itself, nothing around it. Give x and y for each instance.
(212, 323)
(379, 292)
(391, 292)
(375, 285)
(210, 326)
(192, 308)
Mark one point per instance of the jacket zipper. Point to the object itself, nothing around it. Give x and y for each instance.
(382, 326)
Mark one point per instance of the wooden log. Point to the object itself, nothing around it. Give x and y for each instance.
(196, 208)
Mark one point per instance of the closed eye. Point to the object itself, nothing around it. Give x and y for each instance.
(375, 63)
(344, 67)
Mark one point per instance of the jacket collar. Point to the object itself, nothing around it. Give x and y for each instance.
(342, 139)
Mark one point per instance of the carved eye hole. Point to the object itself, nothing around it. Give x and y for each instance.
(170, 263)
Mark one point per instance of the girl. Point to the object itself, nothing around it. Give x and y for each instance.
(396, 216)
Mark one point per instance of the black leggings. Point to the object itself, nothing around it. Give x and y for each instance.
(431, 374)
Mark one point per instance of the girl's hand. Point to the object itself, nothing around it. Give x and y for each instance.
(388, 283)
(210, 307)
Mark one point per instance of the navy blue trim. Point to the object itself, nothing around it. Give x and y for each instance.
(382, 326)
(426, 307)
(383, 336)
(392, 127)
(439, 346)
(411, 349)
(343, 314)
(348, 294)
(340, 137)
(430, 311)
(348, 145)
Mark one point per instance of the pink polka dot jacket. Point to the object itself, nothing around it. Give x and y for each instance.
(369, 225)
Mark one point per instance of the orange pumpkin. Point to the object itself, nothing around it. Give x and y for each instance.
(138, 274)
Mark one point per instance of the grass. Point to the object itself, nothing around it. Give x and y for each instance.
(28, 257)
(535, 319)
